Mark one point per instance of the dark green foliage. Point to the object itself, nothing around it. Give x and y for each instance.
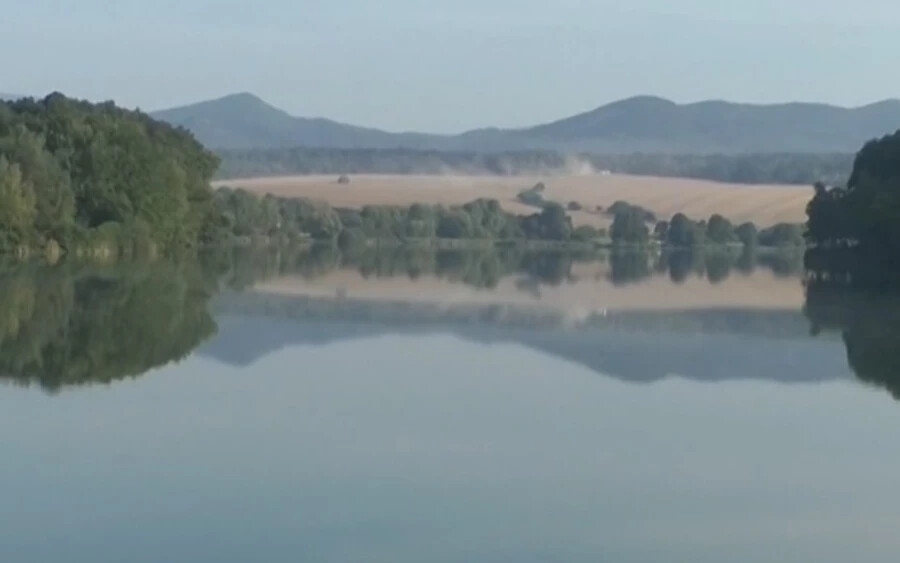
(782, 234)
(853, 291)
(718, 266)
(684, 262)
(383, 222)
(865, 212)
(454, 224)
(489, 221)
(747, 233)
(62, 326)
(96, 166)
(587, 233)
(685, 233)
(620, 207)
(661, 231)
(533, 196)
(719, 230)
(352, 238)
(715, 264)
(629, 227)
(551, 223)
(240, 216)
(17, 205)
(872, 198)
(628, 266)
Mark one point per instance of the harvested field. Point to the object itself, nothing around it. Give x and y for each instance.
(763, 204)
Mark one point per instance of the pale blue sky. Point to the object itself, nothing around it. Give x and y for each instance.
(451, 66)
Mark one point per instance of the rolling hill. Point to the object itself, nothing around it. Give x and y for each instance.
(243, 121)
(641, 124)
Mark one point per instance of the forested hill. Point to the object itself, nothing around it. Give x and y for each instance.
(76, 175)
(642, 124)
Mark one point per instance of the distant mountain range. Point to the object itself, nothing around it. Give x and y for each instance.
(641, 124)
(246, 336)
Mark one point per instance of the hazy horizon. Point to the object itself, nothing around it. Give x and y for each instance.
(403, 65)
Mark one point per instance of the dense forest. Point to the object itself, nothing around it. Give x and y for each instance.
(79, 177)
(866, 212)
(786, 168)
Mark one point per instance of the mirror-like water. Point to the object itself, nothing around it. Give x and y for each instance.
(416, 406)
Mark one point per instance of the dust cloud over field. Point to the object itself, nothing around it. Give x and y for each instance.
(763, 204)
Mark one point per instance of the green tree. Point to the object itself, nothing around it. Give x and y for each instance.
(719, 230)
(782, 234)
(17, 204)
(629, 227)
(747, 233)
(585, 233)
(685, 233)
(661, 231)
(421, 221)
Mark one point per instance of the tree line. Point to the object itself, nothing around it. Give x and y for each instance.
(632, 225)
(786, 168)
(243, 216)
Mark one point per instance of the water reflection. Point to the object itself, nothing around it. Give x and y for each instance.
(71, 325)
(67, 325)
(859, 298)
(485, 268)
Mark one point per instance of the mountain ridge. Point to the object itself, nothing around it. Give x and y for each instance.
(244, 121)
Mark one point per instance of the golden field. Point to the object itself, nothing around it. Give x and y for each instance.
(763, 204)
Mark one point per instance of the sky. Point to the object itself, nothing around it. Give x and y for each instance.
(455, 65)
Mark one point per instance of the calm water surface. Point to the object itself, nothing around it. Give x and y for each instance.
(161, 415)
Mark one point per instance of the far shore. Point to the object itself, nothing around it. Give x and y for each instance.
(764, 205)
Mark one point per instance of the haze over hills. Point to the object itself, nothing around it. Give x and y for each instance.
(640, 124)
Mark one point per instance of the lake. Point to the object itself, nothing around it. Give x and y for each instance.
(411, 405)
